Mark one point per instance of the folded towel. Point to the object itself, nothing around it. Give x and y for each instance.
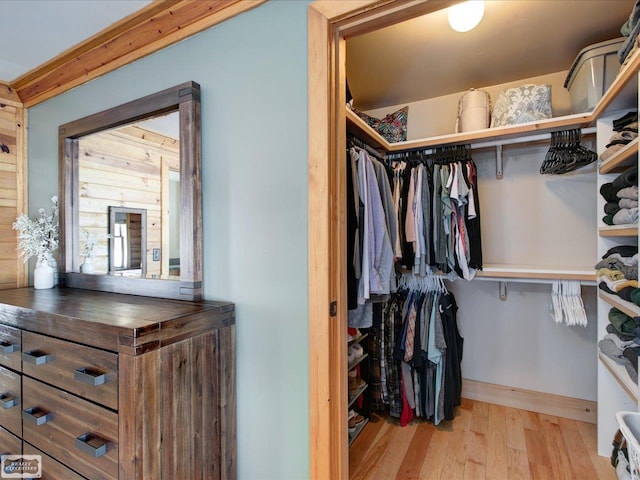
(622, 250)
(627, 203)
(611, 208)
(626, 216)
(608, 192)
(628, 178)
(628, 192)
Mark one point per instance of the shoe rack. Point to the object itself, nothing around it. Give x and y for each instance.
(356, 385)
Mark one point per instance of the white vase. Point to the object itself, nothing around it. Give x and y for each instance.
(88, 266)
(53, 263)
(43, 275)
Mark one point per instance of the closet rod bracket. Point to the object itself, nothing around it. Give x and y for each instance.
(499, 162)
(502, 289)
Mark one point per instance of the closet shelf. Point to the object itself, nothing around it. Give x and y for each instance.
(622, 159)
(354, 397)
(495, 271)
(624, 306)
(362, 130)
(357, 431)
(620, 374)
(358, 339)
(618, 231)
(353, 365)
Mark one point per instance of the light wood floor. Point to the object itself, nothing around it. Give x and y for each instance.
(484, 441)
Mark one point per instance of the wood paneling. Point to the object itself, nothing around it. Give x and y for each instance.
(154, 27)
(122, 167)
(12, 186)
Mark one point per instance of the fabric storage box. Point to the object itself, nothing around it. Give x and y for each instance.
(591, 74)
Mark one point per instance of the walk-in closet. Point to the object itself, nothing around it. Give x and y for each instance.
(504, 223)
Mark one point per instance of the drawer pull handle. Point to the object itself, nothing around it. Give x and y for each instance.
(7, 400)
(37, 357)
(91, 444)
(36, 415)
(90, 376)
(6, 347)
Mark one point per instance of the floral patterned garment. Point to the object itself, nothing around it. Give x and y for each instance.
(527, 103)
(393, 127)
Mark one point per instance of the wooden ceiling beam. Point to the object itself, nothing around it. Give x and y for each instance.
(160, 24)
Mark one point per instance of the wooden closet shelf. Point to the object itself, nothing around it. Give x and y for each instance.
(362, 130)
(618, 231)
(624, 306)
(622, 159)
(619, 372)
(536, 272)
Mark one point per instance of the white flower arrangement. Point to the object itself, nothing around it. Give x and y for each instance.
(90, 244)
(38, 238)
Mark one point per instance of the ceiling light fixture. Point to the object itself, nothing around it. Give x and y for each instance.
(466, 15)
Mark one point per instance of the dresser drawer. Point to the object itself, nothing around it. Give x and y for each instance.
(51, 469)
(9, 443)
(85, 371)
(10, 347)
(77, 433)
(10, 401)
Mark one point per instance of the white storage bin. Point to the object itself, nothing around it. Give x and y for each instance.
(629, 423)
(592, 73)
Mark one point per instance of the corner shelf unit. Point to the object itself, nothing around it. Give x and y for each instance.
(616, 390)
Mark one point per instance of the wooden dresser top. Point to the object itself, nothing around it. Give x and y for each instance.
(117, 322)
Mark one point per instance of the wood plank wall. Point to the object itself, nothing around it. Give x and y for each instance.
(123, 167)
(12, 186)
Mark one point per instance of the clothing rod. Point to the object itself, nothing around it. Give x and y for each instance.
(541, 137)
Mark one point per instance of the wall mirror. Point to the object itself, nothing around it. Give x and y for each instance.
(131, 197)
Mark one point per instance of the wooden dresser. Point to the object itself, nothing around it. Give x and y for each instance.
(113, 386)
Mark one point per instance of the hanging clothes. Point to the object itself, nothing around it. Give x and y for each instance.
(419, 352)
(436, 197)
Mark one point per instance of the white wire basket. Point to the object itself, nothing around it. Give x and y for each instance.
(629, 423)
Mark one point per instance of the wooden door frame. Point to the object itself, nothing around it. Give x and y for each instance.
(329, 23)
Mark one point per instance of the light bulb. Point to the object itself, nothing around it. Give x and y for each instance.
(466, 15)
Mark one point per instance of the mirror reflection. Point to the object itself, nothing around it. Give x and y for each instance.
(127, 241)
(129, 198)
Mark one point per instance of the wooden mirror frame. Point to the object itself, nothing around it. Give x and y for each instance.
(184, 98)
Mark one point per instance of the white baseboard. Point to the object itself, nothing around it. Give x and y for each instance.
(547, 403)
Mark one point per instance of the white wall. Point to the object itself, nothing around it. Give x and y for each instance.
(253, 74)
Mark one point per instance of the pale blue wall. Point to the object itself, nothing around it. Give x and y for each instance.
(253, 74)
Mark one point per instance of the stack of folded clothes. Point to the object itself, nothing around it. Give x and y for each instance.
(621, 343)
(617, 272)
(625, 130)
(622, 198)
